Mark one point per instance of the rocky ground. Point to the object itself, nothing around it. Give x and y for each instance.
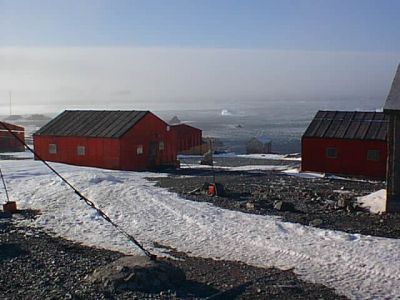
(34, 265)
(323, 202)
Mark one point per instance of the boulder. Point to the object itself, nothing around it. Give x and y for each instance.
(137, 273)
(284, 206)
(207, 159)
(316, 222)
(343, 202)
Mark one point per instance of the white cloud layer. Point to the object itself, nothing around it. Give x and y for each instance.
(51, 79)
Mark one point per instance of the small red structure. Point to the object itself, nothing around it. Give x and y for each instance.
(188, 137)
(8, 142)
(123, 140)
(348, 143)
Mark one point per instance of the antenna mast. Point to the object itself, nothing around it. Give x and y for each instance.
(9, 94)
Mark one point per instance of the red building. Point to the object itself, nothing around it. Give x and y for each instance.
(348, 143)
(8, 142)
(188, 137)
(123, 140)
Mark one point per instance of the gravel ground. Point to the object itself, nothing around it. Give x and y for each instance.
(34, 265)
(316, 201)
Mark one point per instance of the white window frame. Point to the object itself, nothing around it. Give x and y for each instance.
(161, 146)
(81, 150)
(139, 150)
(53, 148)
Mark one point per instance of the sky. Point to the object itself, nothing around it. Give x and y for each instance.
(194, 54)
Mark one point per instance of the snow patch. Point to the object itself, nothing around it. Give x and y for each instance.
(309, 175)
(270, 156)
(240, 168)
(374, 202)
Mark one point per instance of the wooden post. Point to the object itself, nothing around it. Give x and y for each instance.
(392, 109)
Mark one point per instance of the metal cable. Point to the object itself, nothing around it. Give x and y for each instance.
(81, 197)
(4, 184)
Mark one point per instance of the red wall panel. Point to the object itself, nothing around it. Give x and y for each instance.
(351, 157)
(102, 153)
(187, 137)
(150, 130)
(8, 143)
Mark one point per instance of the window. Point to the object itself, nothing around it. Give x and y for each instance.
(373, 155)
(81, 150)
(331, 153)
(52, 148)
(139, 150)
(161, 146)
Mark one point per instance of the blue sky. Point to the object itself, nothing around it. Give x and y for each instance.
(327, 25)
(195, 54)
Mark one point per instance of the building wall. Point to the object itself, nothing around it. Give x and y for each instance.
(351, 158)
(8, 143)
(255, 146)
(99, 152)
(149, 131)
(187, 137)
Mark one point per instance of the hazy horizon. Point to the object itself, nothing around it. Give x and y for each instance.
(160, 78)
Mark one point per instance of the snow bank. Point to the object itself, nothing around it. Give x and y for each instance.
(270, 156)
(375, 202)
(239, 168)
(360, 267)
(309, 175)
(21, 155)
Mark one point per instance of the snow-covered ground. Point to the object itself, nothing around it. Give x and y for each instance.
(361, 267)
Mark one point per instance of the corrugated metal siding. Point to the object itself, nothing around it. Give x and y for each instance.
(348, 125)
(87, 123)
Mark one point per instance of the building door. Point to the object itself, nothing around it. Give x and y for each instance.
(153, 147)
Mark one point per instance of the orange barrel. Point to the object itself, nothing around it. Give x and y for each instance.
(211, 190)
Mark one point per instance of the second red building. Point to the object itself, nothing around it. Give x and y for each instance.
(346, 142)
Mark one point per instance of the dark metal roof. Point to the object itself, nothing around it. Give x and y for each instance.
(10, 126)
(174, 126)
(92, 123)
(393, 99)
(348, 125)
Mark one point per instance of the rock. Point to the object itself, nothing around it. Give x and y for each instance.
(250, 205)
(343, 202)
(284, 206)
(137, 273)
(207, 159)
(316, 222)
(195, 191)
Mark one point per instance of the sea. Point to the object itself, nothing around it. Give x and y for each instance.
(283, 122)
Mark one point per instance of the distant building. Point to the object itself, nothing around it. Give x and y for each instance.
(189, 139)
(259, 144)
(123, 140)
(8, 142)
(346, 142)
(174, 121)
